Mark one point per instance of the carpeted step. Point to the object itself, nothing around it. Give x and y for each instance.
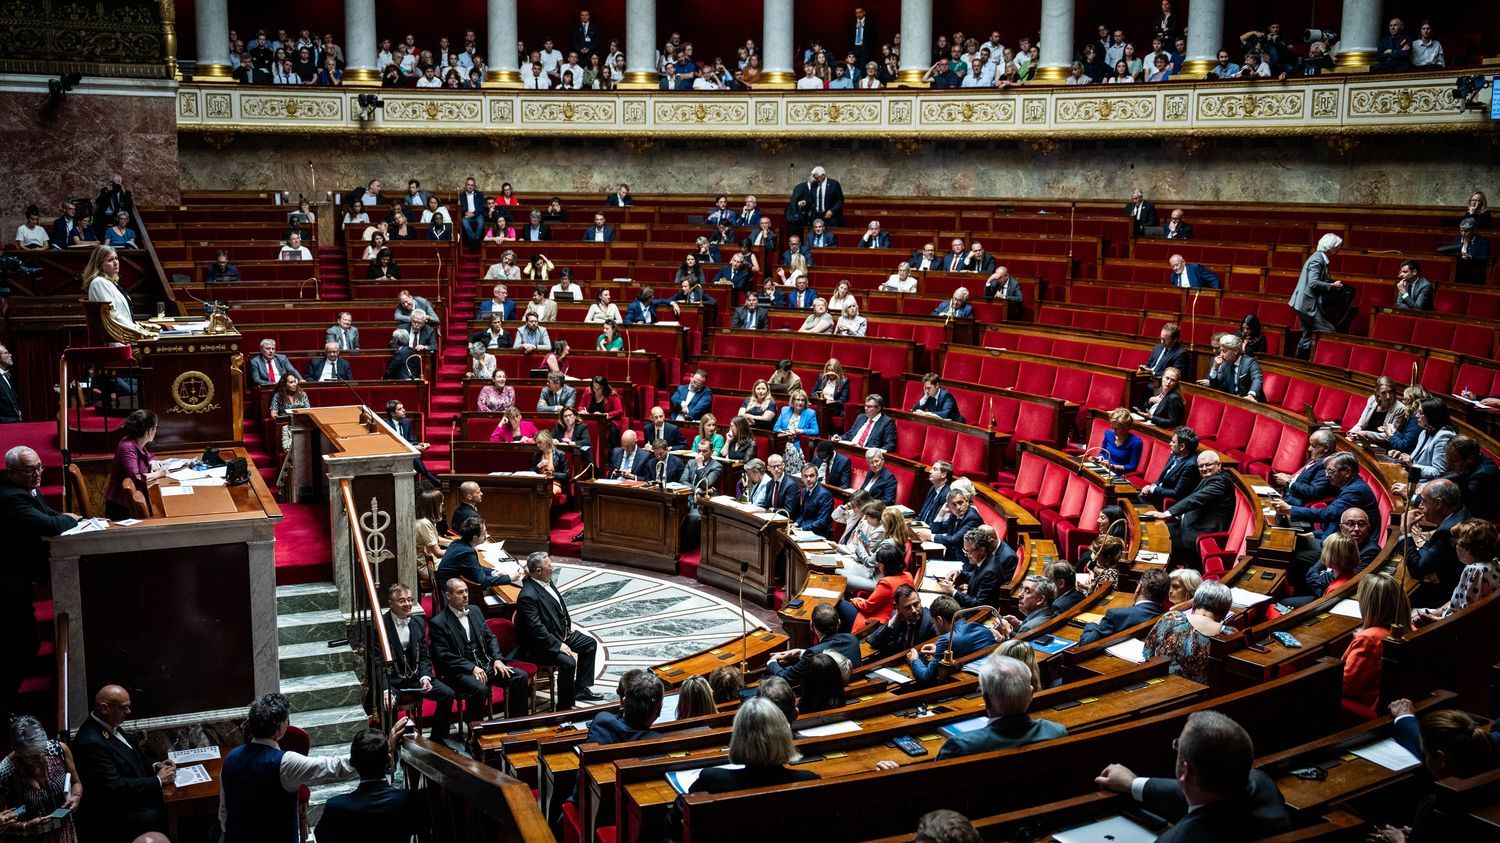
(304, 549)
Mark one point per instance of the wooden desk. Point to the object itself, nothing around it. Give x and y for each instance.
(196, 385)
(796, 621)
(632, 524)
(211, 555)
(516, 508)
(197, 800)
(736, 534)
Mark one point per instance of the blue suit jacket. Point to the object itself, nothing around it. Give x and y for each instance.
(739, 281)
(1163, 358)
(801, 298)
(375, 812)
(882, 437)
(641, 459)
(965, 312)
(933, 503)
(968, 638)
(487, 307)
(675, 467)
(1117, 619)
(813, 511)
(1356, 494)
(1310, 485)
(1002, 733)
(840, 470)
(609, 234)
(636, 313)
(879, 241)
(701, 402)
(843, 643)
(669, 432)
(941, 405)
(1198, 276)
(881, 487)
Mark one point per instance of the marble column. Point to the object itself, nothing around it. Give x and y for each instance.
(213, 41)
(1056, 40)
(501, 37)
(640, 46)
(359, 43)
(916, 42)
(1205, 34)
(778, 60)
(1359, 34)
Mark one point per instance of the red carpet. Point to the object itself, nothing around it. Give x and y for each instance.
(304, 551)
(564, 528)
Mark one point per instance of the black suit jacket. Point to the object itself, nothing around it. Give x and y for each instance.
(637, 465)
(1179, 477)
(457, 655)
(586, 40)
(941, 405)
(1116, 620)
(843, 643)
(896, 635)
(883, 436)
(542, 622)
(833, 200)
(675, 467)
(10, 399)
(881, 487)
(1147, 216)
(412, 661)
(544, 232)
(985, 264)
(744, 317)
(25, 520)
(1260, 811)
(125, 797)
(1437, 557)
(1170, 411)
(1163, 358)
(1310, 485)
(1481, 489)
(985, 582)
(840, 470)
(340, 369)
(375, 812)
(669, 433)
(1209, 508)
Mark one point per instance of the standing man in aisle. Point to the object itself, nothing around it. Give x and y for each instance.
(1313, 287)
(820, 197)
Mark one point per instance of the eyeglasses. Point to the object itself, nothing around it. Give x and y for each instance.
(29, 469)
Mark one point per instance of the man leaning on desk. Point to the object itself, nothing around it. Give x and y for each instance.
(789, 664)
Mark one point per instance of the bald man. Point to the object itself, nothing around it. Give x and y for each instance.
(469, 496)
(125, 792)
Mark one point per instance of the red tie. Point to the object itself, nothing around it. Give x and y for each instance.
(271, 368)
(864, 432)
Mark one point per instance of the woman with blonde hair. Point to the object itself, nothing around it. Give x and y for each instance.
(1382, 602)
(1022, 651)
(759, 406)
(1182, 584)
(102, 275)
(552, 462)
(430, 545)
(708, 428)
(695, 698)
(842, 297)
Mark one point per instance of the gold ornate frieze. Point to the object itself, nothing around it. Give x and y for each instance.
(99, 38)
(1320, 106)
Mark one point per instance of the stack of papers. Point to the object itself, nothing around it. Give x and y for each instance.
(173, 491)
(890, 675)
(836, 728)
(189, 776)
(1263, 491)
(88, 525)
(1243, 599)
(821, 592)
(1132, 650)
(1152, 557)
(1388, 754)
(188, 474)
(1348, 607)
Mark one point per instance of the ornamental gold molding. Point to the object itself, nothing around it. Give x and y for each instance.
(1331, 105)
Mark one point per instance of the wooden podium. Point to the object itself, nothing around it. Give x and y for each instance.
(181, 607)
(516, 508)
(330, 444)
(633, 524)
(736, 534)
(195, 383)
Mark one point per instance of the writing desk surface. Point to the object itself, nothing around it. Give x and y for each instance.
(202, 500)
(247, 498)
(176, 797)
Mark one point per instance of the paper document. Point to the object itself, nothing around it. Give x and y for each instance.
(174, 463)
(890, 675)
(1152, 558)
(1348, 607)
(128, 522)
(668, 709)
(1111, 830)
(1245, 599)
(821, 592)
(1263, 491)
(608, 481)
(836, 728)
(805, 535)
(88, 525)
(1131, 650)
(191, 775)
(682, 780)
(970, 725)
(171, 491)
(205, 481)
(492, 549)
(1388, 754)
(196, 754)
(940, 568)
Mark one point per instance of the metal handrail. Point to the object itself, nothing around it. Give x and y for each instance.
(60, 651)
(365, 582)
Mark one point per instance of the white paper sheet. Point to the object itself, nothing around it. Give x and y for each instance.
(1348, 607)
(191, 775)
(1131, 650)
(820, 592)
(1152, 557)
(173, 491)
(1244, 599)
(682, 780)
(668, 709)
(890, 675)
(128, 522)
(1388, 754)
(836, 728)
(189, 756)
(88, 525)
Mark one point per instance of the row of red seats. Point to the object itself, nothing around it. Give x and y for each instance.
(886, 359)
(1079, 383)
(1026, 418)
(1262, 438)
(1065, 501)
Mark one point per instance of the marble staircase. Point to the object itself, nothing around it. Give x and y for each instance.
(319, 680)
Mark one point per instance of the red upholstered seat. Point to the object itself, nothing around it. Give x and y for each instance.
(572, 824)
(505, 635)
(1078, 532)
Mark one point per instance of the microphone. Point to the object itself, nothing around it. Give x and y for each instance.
(366, 416)
(661, 474)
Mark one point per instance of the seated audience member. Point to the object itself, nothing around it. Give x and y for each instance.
(1192, 275)
(962, 637)
(988, 565)
(1218, 794)
(1182, 585)
(221, 271)
(1179, 475)
(951, 528)
(692, 399)
(791, 664)
(1104, 561)
(1471, 252)
(1176, 228)
(978, 260)
(823, 683)
(329, 367)
(1413, 291)
(759, 406)
(124, 790)
(556, 395)
(259, 782)
(665, 466)
(890, 564)
(1401, 429)
(879, 481)
(1183, 637)
(695, 696)
(1252, 335)
(658, 427)
(956, 307)
(811, 507)
(513, 428)
(343, 332)
(1352, 492)
(1453, 745)
(1035, 606)
(902, 281)
(1310, 484)
(834, 468)
(294, 250)
(1476, 545)
(873, 428)
(468, 655)
(1065, 579)
(462, 560)
(642, 311)
(1383, 413)
(641, 695)
(1003, 286)
(1207, 510)
(943, 825)
(411, 671)
(1167, 407)
(547, 635)
(850, 323)
(937, 401)
(1477, 477)
(376, 810)
(1382, 604)
(1168, 353)
(819, 321)
(874, 238)
(132, 461)
(1006, 685)
(1122, 449)
(1150, 595)
(940, 480)
(1235, 372)
(909, 624)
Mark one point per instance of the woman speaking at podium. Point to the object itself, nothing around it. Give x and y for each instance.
(103, 274)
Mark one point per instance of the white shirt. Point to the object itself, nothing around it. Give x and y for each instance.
(572, 76)
(300, 253)
(895, 284)
(403, 629)
(31, 237)
(600, 314)
(329, 368)
(810, 83)
(298, 770)
(432, 82)
(541, 82)
(551, 60)
(1427, 54)
(440, 213)
(463, 621)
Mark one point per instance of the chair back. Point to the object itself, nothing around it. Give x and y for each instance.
(505, 633)
(80, 491)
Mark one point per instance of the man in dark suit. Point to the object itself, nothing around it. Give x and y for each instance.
(395, 414)
(834, 469)
(961, 638)
(661, 455)
(795, 246)
(1313, 286)
(471, 209)
(735, 273)
(692, 399)
(64, 226)
(411, 671)
(783, 486)
(1476, 475)
(1179, 475)
(267, 367)
(657, 427)
(10, 396)
(1168, 353)
(873, 428)
(953, 260)
(928, 260)
(955, 306)
(1354, 524)
(1065, 578)
(1413, 291)
(1430, 553)
(749, 316)
(642, 311)
(376, 811)
(1034, 606)
(1141, 211)
(629, 462)
(1234, 371)
(702, 474)
(620, 198)
(801, 296)
(910, 624)
(470, 495)
(862, 37)
(343, 333)
(586, 39)
(329, 367)
(1207, 510)
(1310, 483)
(811, 507)
(125, 792)
(820, 237)
(940, 476)
(1150, 597)
(879, 481)
(790, 664)
(820, 197)
(936, 400)
(1196, 275)
(1176, 229)
(26, 521)
(535, 230)
(1217, 795)
(547, 635)
(988, 564)
(599, 232)
(978, 260)
(1347, 489)
(468, 654)
(1006, 685)
(874, 238)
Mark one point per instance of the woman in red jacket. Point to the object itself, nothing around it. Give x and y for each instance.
(877, 608)
(1382, 602)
